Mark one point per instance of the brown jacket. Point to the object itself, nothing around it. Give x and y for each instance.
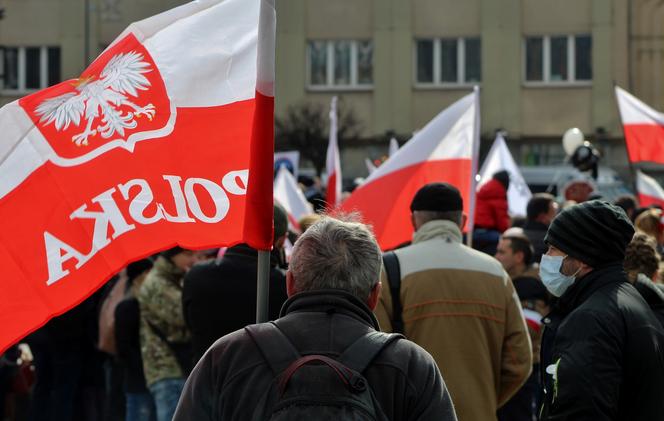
(460, 305)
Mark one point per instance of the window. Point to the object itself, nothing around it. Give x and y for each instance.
(26, 69)
(340, 64)
(559, 59)
(448, 61)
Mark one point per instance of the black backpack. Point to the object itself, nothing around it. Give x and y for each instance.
(317, 387)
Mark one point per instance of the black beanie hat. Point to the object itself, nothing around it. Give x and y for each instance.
(437, 197)
(593, 232)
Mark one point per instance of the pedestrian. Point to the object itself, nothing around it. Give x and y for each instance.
(458, 304)
(219, 297)
(601, 349)
(165, 340)
(491, 217)
(333, 283)
(540, 211)
(515, 253)
(642, 265)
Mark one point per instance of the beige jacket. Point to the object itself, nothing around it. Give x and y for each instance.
(460, 305)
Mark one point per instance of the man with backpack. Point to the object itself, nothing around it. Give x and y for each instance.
(324, 358)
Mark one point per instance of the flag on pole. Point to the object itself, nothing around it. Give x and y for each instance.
(649, 190)
(500, 158)
(167, 138)
(333, 193)
(445, 150)
(394, 146)
(288, 194)
(643, 128)
(370, 165)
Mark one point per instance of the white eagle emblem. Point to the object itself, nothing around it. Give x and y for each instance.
(98, 102)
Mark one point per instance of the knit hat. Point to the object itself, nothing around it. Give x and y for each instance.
(593, 232)
(437, 197)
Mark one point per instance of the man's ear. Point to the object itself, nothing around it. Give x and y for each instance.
(412, 221)
(464, 219)
(374, 295)
(290, 284)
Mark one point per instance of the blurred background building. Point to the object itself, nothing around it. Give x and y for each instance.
(542, 66)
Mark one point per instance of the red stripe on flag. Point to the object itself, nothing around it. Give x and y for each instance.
(645, 142)
(385, 202)
(331, 191)
(646, 200)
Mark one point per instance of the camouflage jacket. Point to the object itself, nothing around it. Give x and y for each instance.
(160, 299)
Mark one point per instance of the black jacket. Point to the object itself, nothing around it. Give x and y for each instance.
(602, 353)
(228, 381)
(653, 294)
(219, 297)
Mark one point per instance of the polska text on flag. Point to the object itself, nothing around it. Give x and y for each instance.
(643, 128)
(167, 138)
(445, 150)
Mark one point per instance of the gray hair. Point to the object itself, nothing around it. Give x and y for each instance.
(336, 254)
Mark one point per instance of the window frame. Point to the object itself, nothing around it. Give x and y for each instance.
(329, 67)
(22, 70)
(546, 81)
(437, 83)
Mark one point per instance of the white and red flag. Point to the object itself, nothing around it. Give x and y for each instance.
(499, 158)
(643, 128)
(445, 150)
(333, 162)
(167, 138)
(649, 190)
(288, 194)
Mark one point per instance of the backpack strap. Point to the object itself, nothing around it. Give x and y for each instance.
(360, 353)
(393, 272)
(275, 347)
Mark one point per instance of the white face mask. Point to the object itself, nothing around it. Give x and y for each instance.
(553, 280)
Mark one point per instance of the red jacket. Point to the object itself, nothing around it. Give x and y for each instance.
(491, 207)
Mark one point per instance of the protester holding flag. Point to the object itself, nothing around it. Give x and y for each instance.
(491, 217)
(165, 340)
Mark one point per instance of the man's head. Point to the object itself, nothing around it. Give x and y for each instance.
(590, 235)
(335, 254)
(437, 201)
(641, 257)
(280, 226)
(514, 252)
(542, 208)
(629, 204)
(182, 259)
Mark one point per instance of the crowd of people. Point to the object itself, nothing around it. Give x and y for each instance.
(555, 316)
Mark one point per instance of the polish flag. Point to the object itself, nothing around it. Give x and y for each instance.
(394, 147)
(445, 150)
(288, 194)
(643, 128)
(167, 138)
(649, 190)
(499, 158)
(333, 193)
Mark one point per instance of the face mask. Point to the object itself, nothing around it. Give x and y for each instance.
(553, 280)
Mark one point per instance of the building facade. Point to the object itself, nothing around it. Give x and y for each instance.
(542, 66)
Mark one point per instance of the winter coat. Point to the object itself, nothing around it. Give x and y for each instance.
(228, 382)
(602, 352)
(491, 207)
(219, 297)
(653, 294)
(459, 304)
(160, 300)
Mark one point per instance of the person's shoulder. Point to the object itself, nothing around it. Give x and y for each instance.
(407, 356)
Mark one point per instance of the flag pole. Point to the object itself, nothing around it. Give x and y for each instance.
(473, 166)
(263, 286)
